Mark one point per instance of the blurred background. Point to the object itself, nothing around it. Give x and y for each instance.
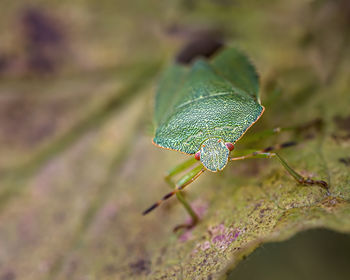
(77, 167)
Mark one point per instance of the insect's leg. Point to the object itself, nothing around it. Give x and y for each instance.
(182, 183)
(267, 153)
(168, 178)
(299, 178)
(179, 186)
(178, 169)
(257, 136)
(244, 154)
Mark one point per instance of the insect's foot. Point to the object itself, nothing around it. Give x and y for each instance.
(309, 181)
(185, 226)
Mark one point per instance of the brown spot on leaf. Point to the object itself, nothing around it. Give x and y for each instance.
(257, 205)
(141, 266)
(343, 123)
(345, 160)
(43, 39)
(340, 138)
(331, 202)
(262, 212)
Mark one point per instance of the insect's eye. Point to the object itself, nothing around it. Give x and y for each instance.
(230, 146)
(197, 156)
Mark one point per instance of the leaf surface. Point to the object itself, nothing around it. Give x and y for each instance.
(78, 166)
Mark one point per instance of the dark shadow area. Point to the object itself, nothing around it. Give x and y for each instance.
(315, 254)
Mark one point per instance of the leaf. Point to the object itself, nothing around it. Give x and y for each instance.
(71, 203)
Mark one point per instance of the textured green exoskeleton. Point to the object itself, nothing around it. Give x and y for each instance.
(206, 103)
(202, 110)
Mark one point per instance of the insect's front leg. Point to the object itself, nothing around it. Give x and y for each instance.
(178, 169)
(177, 187)
(169, 179)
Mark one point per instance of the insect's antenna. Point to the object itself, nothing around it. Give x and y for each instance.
(279, 146)
(168, 195)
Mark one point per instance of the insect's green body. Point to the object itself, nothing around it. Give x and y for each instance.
(203, 110)
(205, 104)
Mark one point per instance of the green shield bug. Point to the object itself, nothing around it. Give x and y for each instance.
(202, 110)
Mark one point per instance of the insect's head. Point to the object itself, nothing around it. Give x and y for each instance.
(214, 154)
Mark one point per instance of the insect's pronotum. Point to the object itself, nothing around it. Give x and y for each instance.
(202, 110)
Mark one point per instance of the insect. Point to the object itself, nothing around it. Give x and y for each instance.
(203, 110)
